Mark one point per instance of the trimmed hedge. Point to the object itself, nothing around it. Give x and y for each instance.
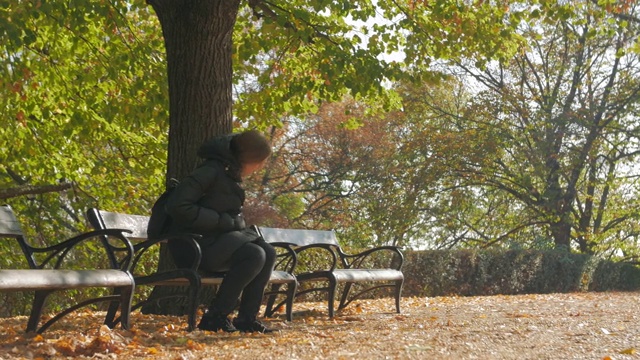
(490, 272)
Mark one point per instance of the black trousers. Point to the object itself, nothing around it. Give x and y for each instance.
(248, 270)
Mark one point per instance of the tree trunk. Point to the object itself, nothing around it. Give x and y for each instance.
(561, 232)
(557, 202)
(198, 42)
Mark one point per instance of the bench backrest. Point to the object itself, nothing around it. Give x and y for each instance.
(10, 228)
(102, 219)
(9, 224)
(299, 237)
(137, 224)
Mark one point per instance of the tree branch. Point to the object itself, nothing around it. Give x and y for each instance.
(33, 190)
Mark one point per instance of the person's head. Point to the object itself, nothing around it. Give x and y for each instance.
(251, 148)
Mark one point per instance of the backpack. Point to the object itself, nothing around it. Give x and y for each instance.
(160, 222)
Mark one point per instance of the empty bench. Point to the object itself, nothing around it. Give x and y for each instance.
(46, 276)
(347, 269)
(191, 277)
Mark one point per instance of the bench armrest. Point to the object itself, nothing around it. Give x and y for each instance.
(286, 258)
(58, 252)
(141, 247)
(355, 261)
(330, 248)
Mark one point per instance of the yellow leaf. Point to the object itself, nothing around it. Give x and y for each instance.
(192, 345)
(38, 338)
(629, 351)
(104, 329)
(182, 341)
(65, 347)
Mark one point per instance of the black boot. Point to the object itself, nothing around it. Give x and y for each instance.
(250, 324)
(216, 322)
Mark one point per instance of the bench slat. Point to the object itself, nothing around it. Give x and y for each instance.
(42, 279)
(299, 237)
(136, 223)
(277, 277)
(355, 275)
(9, 225)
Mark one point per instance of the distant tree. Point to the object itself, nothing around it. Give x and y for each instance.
(379, 183)
(564, 112)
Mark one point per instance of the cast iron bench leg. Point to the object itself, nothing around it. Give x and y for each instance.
(345, 295)
(291, 294)
(269, 310)
(36, 310)
(399, 284)
(110, 319)
(195, 284)
(126, 298)
(333, 284)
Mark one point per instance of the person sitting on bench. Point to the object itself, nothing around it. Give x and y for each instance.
(209, 202)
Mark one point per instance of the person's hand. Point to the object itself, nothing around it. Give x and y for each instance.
(239, 222)
(226, 222)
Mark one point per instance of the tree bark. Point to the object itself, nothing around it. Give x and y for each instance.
(198, 43)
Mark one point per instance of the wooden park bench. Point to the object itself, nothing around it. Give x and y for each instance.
(343, 268)
(46, 276)
(191, 278)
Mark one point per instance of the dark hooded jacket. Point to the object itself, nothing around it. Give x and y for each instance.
(201, 200)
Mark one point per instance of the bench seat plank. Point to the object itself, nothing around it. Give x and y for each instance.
(44, 279)
(277, 277)
(347, 275)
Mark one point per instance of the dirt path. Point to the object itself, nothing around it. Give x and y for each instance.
(555, 326)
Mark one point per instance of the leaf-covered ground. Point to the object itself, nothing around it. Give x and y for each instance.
(555, 326)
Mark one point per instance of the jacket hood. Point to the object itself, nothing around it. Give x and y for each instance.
(219, 148)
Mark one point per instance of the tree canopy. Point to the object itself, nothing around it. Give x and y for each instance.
(82, 102)
(84, 86)
(482, 122)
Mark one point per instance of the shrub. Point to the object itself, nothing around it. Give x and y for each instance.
(491, 272)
